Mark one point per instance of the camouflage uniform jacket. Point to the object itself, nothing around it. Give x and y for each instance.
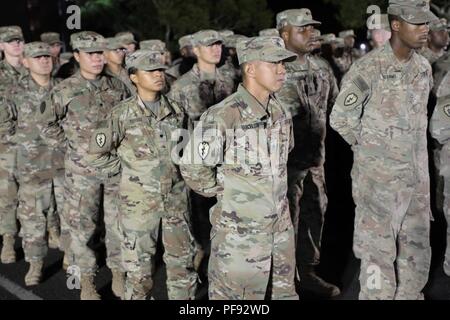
(143, 141)
(442, 76)
(309, 93)
(75, 110)
(9, 75)
(382, 112)
(238, 153)
(430, 55)
(196, 95)
(25, 101)
(124, 77)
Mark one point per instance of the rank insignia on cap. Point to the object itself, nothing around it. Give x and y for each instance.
(100, 139)
(350, 99)
(203, 149)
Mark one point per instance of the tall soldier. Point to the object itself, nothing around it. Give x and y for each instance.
(309, 93)
(381, 112)
(12, 43)
(196, 91)
(152, 190)
(80, 106)
(238, 153)
(34, 156)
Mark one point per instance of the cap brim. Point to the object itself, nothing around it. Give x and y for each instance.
(278, 55)
(421, 17)
(12, 38)
(306, 23)
(210, 42)
(96, 49)
(39, 54)
(153, 68)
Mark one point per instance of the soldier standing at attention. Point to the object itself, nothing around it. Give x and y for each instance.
(238, 153)
(151, 188)
(309, 93)
(12, 44)
(78, 107)
(34, 156)
(381, 112)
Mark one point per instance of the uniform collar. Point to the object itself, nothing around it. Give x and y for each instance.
(252, 107)
(164, 109)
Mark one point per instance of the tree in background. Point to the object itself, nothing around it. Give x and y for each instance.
(171, 19)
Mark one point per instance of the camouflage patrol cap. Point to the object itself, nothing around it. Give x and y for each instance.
(66, 55)
(295, 17)
(51, 38)
(346, 33)
(231, 41)
(412, 11)
(329, 38)
(153, 45)
(340, 42)
(226, 33)
(206, 38)
(9, 33)
(147, 60)
(269, 49)
(36, 49)
(271, 32)
(185, 41)
(438, 25)
(114, 43)
(378, 21)
(127, 37)
(88, 41)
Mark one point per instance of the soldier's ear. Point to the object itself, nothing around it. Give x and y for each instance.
(249, 69)
(25, 63)
(395, 25)
(134, 78)
(196, 51)
(76, 55)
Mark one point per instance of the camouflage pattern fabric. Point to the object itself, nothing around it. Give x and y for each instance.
(251, 226)
(381, 112)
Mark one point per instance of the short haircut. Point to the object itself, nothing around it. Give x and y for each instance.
(132, 70)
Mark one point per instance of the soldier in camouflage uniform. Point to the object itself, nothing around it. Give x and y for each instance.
(115, 56)
(53, 39)
(77, 108)
(439, 128)
(238, 153)
(230, 69)
(152, 190)
(271, 32)
(34, 157)
(160, 46)
(129, 41)
(309, 93)
(381, 112)
(438, 40)
(350, 54)
(185, 62)
(379, 31)
(197, 90)
(11, 41)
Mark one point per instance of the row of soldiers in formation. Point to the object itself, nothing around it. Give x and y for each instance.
(106, 139)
